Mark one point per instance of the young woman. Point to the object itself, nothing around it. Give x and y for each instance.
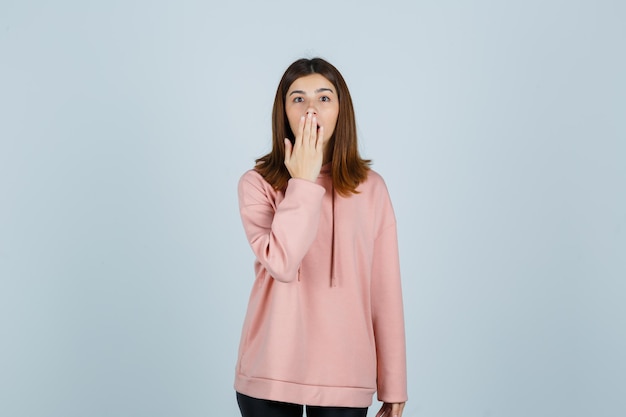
(324, 327)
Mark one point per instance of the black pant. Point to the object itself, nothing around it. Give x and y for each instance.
(254, 407)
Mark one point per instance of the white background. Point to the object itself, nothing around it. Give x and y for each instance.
(125, 125)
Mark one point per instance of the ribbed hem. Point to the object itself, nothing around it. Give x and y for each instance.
(290, 392)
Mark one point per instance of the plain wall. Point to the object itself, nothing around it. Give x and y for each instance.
(125, 125)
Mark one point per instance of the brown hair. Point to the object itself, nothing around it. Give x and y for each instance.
(348, 168)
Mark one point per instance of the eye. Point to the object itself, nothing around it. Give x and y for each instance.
(325, 98)
(298, 100)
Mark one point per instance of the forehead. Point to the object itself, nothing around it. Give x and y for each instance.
(310, 83)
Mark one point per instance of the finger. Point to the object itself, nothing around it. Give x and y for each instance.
(306, 132)
(320, 139)
(288, 149)
(383, 411)
(313, 132)
(396, 409)
(300, 132)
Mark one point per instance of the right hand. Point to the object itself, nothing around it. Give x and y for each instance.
(304, 158)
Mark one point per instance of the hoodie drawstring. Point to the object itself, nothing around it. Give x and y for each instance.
(333, 272)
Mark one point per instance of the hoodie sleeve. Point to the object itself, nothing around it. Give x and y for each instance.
(279, 234)
(387, 311)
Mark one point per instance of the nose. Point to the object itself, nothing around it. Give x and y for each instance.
(311, 110)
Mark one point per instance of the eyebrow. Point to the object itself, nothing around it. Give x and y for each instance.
(319, 90)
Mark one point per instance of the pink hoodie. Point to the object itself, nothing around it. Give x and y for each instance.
(325, 323)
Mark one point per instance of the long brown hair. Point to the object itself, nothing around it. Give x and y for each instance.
(348, 168)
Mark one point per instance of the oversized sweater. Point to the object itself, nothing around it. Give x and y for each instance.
(324, 324)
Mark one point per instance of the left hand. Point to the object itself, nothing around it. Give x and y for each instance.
(391, 410)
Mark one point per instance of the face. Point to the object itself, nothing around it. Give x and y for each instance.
(313, 94)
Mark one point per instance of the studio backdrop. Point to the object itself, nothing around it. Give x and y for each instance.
(125, 126)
